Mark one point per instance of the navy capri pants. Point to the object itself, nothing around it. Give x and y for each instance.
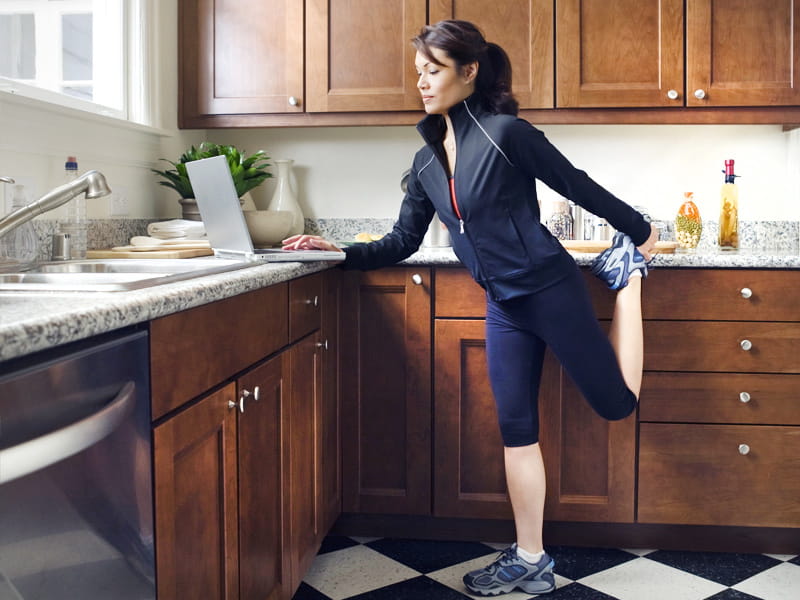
(562, 317)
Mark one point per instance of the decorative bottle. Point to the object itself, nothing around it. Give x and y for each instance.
(729, 211)
(560, 222)
(688, 225)
(284, 197)
(76, 224)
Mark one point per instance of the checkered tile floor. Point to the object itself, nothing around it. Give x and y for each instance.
(388, 569)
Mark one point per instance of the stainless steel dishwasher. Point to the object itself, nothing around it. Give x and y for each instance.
(76, 492)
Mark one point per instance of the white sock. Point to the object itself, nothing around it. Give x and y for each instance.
(530, 557)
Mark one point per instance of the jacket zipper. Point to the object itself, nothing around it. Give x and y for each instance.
(452, 184)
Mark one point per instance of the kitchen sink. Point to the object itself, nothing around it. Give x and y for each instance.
(113, 275)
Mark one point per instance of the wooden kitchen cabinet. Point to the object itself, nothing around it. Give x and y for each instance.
(630, 53)
(370, 71)
(196, 488)
(590, 462)
(524, 30)
(238, 58)
(386, 391)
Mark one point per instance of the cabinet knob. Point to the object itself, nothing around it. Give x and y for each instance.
(744, 397)
(323, 345)
(699, 94)
(746, 293)
(293, 101)
(313, 301)
(417, 279)
(240, 404)
(256, 394)
(673, 94)
(744, 449)
(745, 345)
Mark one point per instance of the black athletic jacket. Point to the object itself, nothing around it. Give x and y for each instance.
(499, 237)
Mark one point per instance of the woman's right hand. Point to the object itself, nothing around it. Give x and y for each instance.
(309, 242)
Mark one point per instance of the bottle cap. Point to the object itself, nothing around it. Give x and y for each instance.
(71, 164)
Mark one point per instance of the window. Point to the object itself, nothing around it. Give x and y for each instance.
(74, 53)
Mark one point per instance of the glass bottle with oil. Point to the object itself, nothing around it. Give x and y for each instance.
(729, 211)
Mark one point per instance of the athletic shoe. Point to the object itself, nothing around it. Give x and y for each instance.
(614, 265)
(509, 572)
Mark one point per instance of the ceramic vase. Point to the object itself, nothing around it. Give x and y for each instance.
(285, 198)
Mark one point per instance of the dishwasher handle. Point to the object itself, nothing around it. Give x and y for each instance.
(36, 454)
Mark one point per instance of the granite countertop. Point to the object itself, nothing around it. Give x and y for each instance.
(30, 322)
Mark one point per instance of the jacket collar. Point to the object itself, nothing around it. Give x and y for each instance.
(432, 127)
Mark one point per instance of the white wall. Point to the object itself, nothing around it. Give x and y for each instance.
(355, 172)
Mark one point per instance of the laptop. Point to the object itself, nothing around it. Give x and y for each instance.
(224, 221)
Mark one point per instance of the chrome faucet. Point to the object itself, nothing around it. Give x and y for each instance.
(93, 183)
(6, 179)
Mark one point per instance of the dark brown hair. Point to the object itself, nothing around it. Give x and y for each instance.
(464, 44)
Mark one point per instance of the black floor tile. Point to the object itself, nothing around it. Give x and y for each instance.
(732, 595)
(727, 569)
(413, 589)
(336, 542)
(575, 563)
(795, 560)
(576, 591)
(427, 556)
(306, 592)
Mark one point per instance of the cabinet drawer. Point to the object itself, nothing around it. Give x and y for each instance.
(458, 296)
(305, 305)
(196, 349)
(720, 398)
(722, 294)
(720, 346)
(719, 475)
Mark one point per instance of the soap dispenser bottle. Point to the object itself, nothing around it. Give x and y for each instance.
(19, 247)
(729, 210)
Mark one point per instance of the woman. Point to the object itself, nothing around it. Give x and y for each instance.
(477, 171)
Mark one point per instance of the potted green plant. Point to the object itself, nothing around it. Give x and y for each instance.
(248, 172)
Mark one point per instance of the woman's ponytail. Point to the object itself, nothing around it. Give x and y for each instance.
(495, 86)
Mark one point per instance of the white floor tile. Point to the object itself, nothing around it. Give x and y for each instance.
(452, 577)
(642, 578)
(363, 540)
(781, 582)
(352, 571)
(638, 551)
(783, 557)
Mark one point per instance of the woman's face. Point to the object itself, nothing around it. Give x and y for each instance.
(441, 85)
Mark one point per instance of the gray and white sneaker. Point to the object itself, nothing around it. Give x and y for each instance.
(615, 264)
(509, 572)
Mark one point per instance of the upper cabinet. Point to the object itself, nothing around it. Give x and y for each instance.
(351, 62)
(631, 53)
(524, 30)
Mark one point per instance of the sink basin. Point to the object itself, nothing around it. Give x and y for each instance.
(113, 275)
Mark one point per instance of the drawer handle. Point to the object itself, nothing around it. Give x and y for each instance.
(240, 404)
(673, 94)
(744, 397)
(256, 394)
(744, 449)
(315, 301)
(746, 293)
(746, 345)
(323, 345)
(417, 279)
(700, 94)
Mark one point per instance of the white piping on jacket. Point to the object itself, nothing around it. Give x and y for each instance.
(488, 137)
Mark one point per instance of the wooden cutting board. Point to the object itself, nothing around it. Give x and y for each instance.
(176, 253)
(600, 245)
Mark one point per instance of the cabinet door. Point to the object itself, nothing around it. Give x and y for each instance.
(386, 391)
(742, 53)
(196, 501)
(524, 30)
(590, 462)
(300, 430)
(239, 57)
(625, 53)
(469, 469)
(330, 410)
(262, 568)
(359, 54)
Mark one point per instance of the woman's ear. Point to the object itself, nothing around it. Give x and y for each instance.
(469, 72)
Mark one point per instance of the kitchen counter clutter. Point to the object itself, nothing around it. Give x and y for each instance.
(36, 321)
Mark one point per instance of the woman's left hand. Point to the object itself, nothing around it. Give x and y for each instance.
(649, 245)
